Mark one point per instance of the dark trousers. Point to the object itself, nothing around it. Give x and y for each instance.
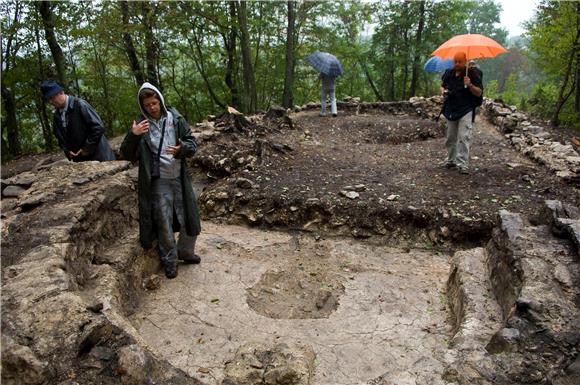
(167, 195)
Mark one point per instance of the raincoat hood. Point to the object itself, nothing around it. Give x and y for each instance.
(151, 87)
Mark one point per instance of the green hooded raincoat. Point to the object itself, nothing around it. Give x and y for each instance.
(139, 148)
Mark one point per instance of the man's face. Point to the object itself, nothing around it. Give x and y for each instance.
(57, 100)
(459, 63)
(153, 107)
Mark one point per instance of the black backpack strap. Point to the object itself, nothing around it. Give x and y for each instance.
(161, 141)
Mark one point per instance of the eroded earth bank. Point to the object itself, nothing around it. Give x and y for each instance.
(334, 251)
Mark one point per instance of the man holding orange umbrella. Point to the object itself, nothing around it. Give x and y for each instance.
(462, 92)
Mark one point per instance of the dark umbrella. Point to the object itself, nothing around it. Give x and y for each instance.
(325, 63)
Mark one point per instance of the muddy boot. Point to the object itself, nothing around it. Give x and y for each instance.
(190, 258)
(185, 249)
(170, 269)
(169, 262)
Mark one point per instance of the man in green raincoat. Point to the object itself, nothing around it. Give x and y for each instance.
(161, 140)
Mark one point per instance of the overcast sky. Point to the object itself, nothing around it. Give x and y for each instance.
(516, 12)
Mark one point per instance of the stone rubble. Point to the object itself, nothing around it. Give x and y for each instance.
(281, 364)
(533, 141)
(524, 313)
(72, 269)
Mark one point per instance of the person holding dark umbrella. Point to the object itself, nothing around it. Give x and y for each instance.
(330, 68)
(328, 89)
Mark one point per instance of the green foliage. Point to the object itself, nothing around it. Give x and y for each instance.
(542, 99)
(511, 94)
(491, 90)
(377, 42)
(553, 44)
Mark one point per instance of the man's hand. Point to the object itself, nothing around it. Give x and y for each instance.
(475, 90)
(174, 150)
(80, 152)
(140, 128)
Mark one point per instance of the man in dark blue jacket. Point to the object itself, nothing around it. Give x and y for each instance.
(77, 126)
(463, 91)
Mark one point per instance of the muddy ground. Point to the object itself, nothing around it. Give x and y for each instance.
(371, 174)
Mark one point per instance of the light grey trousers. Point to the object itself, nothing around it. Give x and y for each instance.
(458, 141)
(167, 196)
(323, 95)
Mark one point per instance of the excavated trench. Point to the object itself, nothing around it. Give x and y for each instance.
(361, 310)
(311, 292)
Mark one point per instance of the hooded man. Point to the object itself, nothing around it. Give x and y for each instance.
(160, 139)
(463, 91)
(77, 126)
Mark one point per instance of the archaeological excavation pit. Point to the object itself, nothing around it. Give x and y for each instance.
(363, 310)
(333, 252)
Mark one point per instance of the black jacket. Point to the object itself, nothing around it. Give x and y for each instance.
(84, 130)
(459, 100)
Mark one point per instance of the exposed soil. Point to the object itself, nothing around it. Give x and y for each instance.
(301, 177)
(29, 162)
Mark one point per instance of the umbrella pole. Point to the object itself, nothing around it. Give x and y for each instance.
(466, 65)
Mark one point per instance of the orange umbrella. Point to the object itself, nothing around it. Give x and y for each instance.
(474, 45)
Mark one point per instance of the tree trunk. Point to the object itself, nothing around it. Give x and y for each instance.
(561, 97)
(130, 47)
(49, 142)
(151, 50)
(183, 102)
(370, 80)
(259, 33)
(74, 73)
(109, 115)
(577, 49)
(10, 147)
(415, 75)
(391, 83)
(201, 69)
(404, 83)
(287, 98)
(230, 44)
(12, 133)
(577, 101)
(250, 95)
(45, 9)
